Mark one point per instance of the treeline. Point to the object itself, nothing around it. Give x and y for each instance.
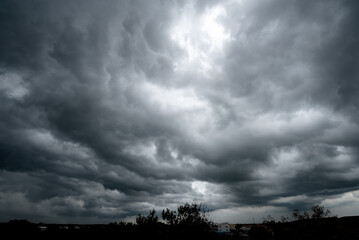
(316, 223)
(315, 212)
(190, 221)
(328, 228)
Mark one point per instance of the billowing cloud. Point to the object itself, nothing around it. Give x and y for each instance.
(113, 108)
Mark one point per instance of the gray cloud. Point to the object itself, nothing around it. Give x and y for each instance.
(113, 108)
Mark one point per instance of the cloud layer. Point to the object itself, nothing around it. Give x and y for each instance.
(112, 108)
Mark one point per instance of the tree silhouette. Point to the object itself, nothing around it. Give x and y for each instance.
(187, 214)
(170, 216)
(319, 212)
(150, 219)
(316, 212)
(269, 219)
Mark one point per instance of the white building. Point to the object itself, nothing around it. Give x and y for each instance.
(222, 228)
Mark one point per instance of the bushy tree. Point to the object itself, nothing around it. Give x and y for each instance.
(170, 216)
(268, 220)
(187, 214)
(150, 219)
(316, 212)
(192, 214)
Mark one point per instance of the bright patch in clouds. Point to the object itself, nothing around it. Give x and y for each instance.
(199, 187)
(201, 37)
(214, 34)
(173, 100)
(134, 105)
(13, 85)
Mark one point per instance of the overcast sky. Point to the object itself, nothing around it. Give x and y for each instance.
(113, 108)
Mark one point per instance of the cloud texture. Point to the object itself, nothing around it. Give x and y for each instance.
(112, 108)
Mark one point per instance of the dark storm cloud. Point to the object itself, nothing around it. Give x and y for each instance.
(113, 108)
(72, 107)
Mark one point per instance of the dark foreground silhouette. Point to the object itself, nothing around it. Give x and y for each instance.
(329, 228)
(190, 222)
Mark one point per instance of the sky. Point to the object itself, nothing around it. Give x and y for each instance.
(113, 108)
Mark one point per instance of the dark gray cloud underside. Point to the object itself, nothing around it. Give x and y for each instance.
(113, 108)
